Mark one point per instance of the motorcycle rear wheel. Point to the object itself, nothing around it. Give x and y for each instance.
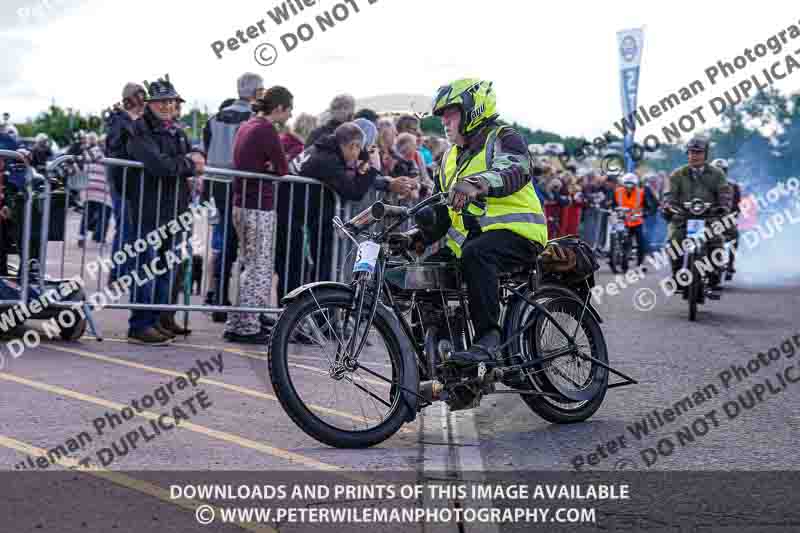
(590, 380)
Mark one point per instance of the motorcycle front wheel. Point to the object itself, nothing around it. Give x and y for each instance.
(617, 254)
(332, 400)
(694, 291)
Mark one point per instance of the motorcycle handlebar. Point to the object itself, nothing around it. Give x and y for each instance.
(380, 210)
(709, 213)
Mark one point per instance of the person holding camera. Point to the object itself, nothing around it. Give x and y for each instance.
(167, 159)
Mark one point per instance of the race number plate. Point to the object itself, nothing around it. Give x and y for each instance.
(695, 228)
(620, 226)
(367, 257)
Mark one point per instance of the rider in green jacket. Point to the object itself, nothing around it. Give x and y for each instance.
(697, 180)
(494, 221)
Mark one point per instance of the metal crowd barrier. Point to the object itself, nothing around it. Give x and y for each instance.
(32, 178)
(303, 210)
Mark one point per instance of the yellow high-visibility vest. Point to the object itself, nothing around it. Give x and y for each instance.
(520, 212)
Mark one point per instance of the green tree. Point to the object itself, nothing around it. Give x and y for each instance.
(196, 119)
(60, 125)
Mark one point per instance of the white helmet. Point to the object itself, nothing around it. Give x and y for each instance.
(41, 138)
(630, 180)
(721, 164)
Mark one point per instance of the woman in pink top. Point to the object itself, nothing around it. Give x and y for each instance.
(96, 198)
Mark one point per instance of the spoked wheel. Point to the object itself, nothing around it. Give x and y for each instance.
(627, 253)
(575, 386)
(616, 255)
(340, 402)
(694, 294)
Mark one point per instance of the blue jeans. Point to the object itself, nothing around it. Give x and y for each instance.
(154, 291)
(124, 233)
(591, 226)
(655, 232)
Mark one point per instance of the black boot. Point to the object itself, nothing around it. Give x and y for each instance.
(479, 352)
(715, 280)
(167, 322)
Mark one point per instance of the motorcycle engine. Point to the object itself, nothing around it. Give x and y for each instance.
(437, 350)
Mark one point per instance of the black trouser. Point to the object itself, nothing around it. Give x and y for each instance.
(637, 232)
(677, 234)
(732, 235)
(483, 258)
(4, 246)
(230, 250)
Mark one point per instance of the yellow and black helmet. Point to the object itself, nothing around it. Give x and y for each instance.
(475, 98)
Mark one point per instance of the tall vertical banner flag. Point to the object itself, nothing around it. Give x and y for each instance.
(630, 43)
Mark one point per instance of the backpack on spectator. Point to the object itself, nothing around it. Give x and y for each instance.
(224, 126)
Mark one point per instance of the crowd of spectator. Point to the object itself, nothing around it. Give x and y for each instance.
(276, 233)
(576, 201)
(273, 232)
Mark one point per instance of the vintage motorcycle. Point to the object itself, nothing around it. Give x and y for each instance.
(621, 248)
(376, 350)
(697, 263)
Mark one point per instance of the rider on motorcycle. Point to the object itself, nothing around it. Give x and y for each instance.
(494, 221)
(732, 231)
(700, 180)
(631, 196)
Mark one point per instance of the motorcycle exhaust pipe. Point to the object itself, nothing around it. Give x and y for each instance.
(431, 391)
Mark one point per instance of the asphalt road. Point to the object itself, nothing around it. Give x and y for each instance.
(59, 390)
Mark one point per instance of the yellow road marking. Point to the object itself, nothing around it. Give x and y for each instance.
(221, 384)
(213, 433)
(122, 480)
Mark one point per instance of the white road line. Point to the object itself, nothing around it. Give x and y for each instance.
(450, 445)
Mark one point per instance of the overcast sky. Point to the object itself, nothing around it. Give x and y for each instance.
(554, 64)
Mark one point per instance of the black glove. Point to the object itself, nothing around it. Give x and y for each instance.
(669, 212)
(466, 191)
(408, 240)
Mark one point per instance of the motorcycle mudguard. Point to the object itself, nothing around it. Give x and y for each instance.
(566, 293)
(410, 370)
(299, 291)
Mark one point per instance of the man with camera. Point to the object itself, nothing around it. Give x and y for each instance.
(168, 160)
